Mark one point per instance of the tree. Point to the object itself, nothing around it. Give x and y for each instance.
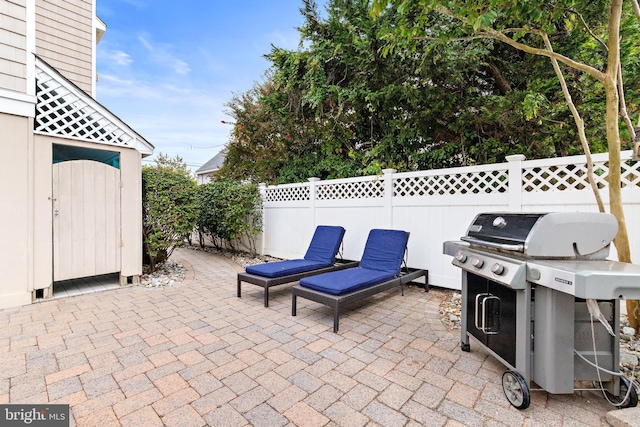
(169, 207)
(530, 26)
(345, 104)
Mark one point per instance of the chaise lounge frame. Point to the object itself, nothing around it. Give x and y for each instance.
(338, 301)
(268, 282)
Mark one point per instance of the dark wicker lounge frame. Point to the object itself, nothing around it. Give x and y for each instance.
(267, 282)
(338, 301)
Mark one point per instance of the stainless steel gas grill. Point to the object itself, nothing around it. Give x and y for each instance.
(528, 281)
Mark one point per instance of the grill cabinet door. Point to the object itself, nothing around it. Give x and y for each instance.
(491, 317)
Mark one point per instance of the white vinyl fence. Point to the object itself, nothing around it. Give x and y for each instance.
(438, 205)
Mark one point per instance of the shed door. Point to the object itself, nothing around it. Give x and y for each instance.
(86, 219)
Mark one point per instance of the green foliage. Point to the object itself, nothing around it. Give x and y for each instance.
(413, 88)
(169, 208)
(577, 30)
(172, 164)
(230, 213)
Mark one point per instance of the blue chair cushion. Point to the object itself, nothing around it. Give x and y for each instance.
(285, 268)
(384, 250)
(325, 243)
(321, 253)
(344, 281)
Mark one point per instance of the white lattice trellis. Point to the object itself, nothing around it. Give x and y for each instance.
(563, 177)
(370, 189)
(438, 185)
(286, 194)
(61, 111)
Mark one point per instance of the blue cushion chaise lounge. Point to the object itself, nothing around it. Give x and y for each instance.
(379, 270)
(320, 258)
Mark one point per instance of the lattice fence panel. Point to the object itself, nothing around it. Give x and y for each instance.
(484, 182)
(286, 194)
(371, 189)
(563, 177)
(61, 112)
(630, 174)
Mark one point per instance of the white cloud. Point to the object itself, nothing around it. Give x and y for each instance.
(175, 117)
(116, 57)
(181, 67)
(139, 4)
(110, 86)
(161, 54)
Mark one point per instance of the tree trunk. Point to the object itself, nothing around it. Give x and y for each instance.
(613, 141)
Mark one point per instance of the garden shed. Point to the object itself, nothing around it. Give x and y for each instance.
(90, 173)
(71, 181)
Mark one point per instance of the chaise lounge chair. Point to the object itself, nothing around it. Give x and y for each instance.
(320, 258)
(378, 271)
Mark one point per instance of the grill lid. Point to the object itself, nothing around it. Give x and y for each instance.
(545, 235)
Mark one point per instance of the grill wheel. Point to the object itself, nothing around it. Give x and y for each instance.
(624, 401)
(516, 390)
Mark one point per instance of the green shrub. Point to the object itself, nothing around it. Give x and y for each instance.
(230, 214)
(169, 208)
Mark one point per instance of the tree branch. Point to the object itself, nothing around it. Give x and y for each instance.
(496, 35)
(501, 81)
(623, 103)
(579, 124)
(487, 32)
(584, 23)
(636, 9)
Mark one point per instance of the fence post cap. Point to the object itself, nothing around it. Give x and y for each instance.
(515, 158)
(387, 171)
(313, 179)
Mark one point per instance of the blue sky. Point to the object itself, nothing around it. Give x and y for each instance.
(167, 67)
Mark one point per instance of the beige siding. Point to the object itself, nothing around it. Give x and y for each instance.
(64, 38)
(15, 186)
(13, 55)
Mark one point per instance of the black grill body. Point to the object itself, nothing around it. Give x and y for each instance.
(526, 279)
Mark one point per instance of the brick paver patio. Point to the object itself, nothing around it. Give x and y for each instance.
(195, 355)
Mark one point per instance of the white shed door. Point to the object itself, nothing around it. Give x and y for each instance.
(86, 219)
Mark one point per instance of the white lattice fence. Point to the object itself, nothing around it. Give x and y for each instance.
(563, 177)
(477, 182)
(286, 193)
(630, 174)
(438, 205)
(369, 188)
(541, 176)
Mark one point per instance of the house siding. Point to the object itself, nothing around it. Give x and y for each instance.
(64, 38)
(13, 51)
(16, 143)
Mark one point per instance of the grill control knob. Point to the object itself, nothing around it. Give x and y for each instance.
(461, 257)
(497, 269)
(477, 262)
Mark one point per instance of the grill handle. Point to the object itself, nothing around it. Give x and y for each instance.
(481, 321)
(518, 248)
(479, 314)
